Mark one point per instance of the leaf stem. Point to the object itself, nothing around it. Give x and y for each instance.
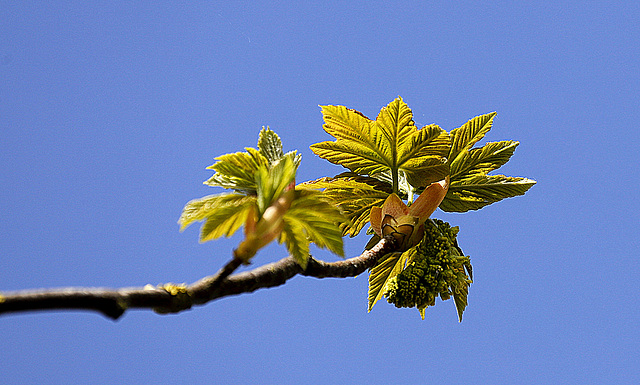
(395, 180)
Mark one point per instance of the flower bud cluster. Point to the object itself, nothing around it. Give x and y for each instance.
(436, 268)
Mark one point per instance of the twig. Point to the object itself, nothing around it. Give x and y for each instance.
(175, 298)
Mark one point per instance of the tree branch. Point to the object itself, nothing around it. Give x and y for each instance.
(172, 298)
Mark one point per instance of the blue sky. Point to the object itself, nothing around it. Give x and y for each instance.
(110, 112)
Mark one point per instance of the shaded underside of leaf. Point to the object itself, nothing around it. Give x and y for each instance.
(478, 191)
(355, 196)
(391, 266)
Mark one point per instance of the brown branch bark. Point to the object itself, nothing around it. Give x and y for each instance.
(175, 298)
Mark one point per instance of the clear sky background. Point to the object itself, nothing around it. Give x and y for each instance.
(110, 112)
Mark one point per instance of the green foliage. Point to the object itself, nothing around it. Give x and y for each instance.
(311, 218)
(266, 203)
(389, 267)
(390, 143)
(435, 267)
(223, 214)
(385, 156)
(477, 191)
(355, 195)
(471, 188)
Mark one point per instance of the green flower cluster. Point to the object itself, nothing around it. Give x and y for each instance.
(435, 268)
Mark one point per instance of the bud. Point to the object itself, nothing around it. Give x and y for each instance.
(406, 224)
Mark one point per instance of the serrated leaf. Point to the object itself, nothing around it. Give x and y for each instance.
(380, 274)
(460, 295)
(391, 142)
(237, 170)
(319, 219)
(224, 214)
(294, 238)
(355, 196)
(226, 221)
(482, 160)
(199, 209)
(477, 191)
(423, 157)
(272, 181)
(464, 137)
(270, 145)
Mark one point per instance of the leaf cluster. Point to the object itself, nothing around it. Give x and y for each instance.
(471, 187)
(384, 157)
(391, 155)
(265, 201)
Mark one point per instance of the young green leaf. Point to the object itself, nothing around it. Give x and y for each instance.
(477, 191)
(227, 220)
(294, 238)
(318, 218)
(355, 195)
(224, 214)
(471, 188)
(272, 181)
(391, 142)
(270, 145)
(385, 270)
(237, 170)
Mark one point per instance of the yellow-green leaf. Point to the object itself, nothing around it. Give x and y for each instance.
(270, 145)
(424, 156)
(319, 219)
(272, 181)
(355, 196)
(237, 170)
(464, 137)
(391, 266)
(480, 161)
(224, 214)
(477, 191)
(391, 142)
(294, 238)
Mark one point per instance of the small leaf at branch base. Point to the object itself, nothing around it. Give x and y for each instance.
(293, 236)
(391, 266)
